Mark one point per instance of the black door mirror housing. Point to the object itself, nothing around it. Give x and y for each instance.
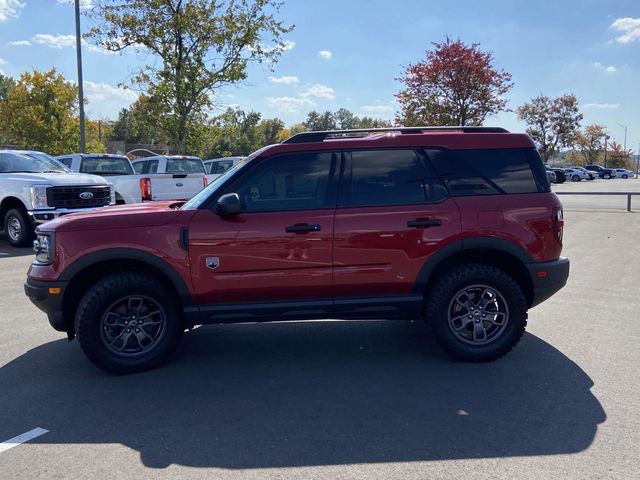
(229, 204)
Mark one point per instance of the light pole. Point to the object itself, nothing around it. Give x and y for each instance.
(80, 93)
(625, 138)
(606, 140)
(638, 161)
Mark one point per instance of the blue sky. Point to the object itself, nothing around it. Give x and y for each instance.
(347, 54)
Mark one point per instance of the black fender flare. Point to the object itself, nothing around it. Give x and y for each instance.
(130, 254)
(468, 244)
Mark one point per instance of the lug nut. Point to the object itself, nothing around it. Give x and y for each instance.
(128, 330)
(137, 329)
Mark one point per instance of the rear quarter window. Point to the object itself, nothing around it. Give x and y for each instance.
(490, 171)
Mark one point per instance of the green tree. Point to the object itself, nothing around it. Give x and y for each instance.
(40, 113)
(317, 121)
(201, 45)
(552, 123)
(590, 143)
(456, 84)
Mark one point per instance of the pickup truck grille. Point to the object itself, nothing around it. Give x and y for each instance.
(74, 197)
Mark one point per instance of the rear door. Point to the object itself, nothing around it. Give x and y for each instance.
(393, 214)
(275, 258)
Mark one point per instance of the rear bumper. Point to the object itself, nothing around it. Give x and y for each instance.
(39, 292)
(547, 278)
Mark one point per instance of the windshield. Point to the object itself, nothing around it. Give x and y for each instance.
(47, 158)
(184, 165)
(32, 163)
(205, 193)
(106, 166)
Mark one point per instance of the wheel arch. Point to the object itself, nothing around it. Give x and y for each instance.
(88, 270)
(8, 203)
(500, 253)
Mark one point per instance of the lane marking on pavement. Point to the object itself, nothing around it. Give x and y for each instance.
(23, 438)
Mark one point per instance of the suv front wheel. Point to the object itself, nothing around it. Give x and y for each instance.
(477, 312)
(128, 322)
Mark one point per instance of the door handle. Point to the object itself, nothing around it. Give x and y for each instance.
(424, 223)
(302, 228)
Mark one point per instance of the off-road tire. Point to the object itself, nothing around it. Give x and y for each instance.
(441, 295)
(107, 292)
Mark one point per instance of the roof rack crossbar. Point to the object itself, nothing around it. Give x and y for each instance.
(319, 136)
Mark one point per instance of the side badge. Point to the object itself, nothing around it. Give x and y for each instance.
(212, 262)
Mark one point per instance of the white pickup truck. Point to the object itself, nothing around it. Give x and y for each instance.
(116, 169)
(170, 177)
(35, 188)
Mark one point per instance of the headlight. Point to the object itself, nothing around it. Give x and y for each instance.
(39, 197)
(112, 195)
(44, 246)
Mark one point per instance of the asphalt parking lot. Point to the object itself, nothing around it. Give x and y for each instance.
(348, 399)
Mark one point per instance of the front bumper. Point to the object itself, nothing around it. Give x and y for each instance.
(547, 278)
(41, 216)
(42, 295)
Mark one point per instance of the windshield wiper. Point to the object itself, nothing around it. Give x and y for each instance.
(19, 171)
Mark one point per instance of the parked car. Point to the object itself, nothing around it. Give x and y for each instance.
(117, 168)
(601, 171)
(551, 175)
(35, 188)
(588, 174)
(559, 172)
(624, 173)
(217, 166)
(170, 177)
(454, 225)
(576, 175)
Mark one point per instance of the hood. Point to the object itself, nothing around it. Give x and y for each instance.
(56, 179)
(140, 215)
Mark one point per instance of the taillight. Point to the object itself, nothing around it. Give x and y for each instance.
(205, 182)
(145, 189)
(557, 221)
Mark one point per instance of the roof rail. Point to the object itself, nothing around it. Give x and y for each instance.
(306, 137)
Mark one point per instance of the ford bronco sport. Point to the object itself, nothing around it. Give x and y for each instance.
(454, 225)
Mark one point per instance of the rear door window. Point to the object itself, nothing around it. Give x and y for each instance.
(388, 177)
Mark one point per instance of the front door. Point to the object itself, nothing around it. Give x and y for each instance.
(275, 258)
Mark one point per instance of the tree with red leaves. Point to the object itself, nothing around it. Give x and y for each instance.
(457, 84)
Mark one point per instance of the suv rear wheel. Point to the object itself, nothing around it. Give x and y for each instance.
(128, 322)
(477, 312)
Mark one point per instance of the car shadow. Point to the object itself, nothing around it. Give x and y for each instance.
(7, 250)
(307, 393)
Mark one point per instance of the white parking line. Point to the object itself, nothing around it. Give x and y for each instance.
(3, 253)
(23, 438)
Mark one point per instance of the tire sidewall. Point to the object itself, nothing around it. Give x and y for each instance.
(102, 295)
(26, 231)
(437, 312)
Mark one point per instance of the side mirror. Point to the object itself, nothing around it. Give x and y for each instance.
(229, 204)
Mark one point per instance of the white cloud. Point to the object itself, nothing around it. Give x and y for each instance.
(319, 91)
(286, 46)
(10, 8)
(105, 101)
(3, 61)
(379, 111)
(629, 28)
(605, 68)
(55, 41)
(63, 41)
(326, 54)
(20, 43)
(287, 79)
(84, 4)
(602, 106)
(104, 91)
(289, 104)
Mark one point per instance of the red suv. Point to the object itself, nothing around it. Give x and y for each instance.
(454, 225)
